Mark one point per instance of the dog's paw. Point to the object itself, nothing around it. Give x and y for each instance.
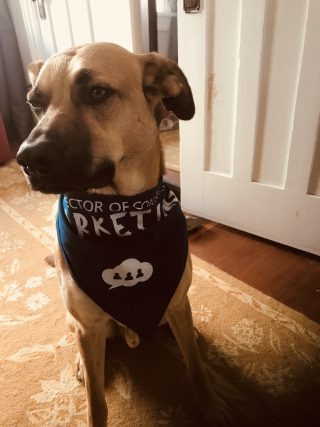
(214, 409)
(214, 405)
(217, 413)
(79, 368)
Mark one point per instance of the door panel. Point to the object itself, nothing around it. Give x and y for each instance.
(250, 157)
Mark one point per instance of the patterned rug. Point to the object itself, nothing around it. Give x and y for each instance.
(264, 356)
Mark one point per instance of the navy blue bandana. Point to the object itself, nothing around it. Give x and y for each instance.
(127, 253)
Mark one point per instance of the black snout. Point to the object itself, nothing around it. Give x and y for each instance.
(57, 163)
(38, 158)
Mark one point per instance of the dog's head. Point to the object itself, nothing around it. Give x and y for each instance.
(96, 128)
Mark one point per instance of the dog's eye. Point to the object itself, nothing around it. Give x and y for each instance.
(98, 92)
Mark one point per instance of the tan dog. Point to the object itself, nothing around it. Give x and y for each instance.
(97, 133)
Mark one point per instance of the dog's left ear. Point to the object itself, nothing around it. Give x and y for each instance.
(164, 80)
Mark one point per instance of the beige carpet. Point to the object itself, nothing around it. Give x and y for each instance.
(270, 353)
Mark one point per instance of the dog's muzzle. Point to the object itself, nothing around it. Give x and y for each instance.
(51, 167)
(38, 159)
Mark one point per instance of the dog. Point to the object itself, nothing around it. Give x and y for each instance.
(96, 144)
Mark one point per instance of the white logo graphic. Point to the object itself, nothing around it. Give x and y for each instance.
(128, 273)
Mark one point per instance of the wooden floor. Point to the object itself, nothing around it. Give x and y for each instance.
(288, 275)
(170, 143)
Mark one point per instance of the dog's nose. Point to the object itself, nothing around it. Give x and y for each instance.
(37, 159)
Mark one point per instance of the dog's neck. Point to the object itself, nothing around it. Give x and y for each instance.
(137, 174)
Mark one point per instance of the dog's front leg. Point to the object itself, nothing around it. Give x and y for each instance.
(92, 344)
(215, 411)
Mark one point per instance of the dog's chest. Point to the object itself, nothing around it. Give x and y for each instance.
(127, 254)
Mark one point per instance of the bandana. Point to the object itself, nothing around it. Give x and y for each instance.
(127, 253)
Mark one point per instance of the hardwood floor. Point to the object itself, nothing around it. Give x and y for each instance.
(170, 143)
(286, 274)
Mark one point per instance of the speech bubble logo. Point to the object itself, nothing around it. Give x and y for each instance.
(128, 273)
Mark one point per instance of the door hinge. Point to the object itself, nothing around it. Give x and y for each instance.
(191, 6)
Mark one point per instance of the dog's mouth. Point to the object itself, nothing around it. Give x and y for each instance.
(69, 180)
(48, 188)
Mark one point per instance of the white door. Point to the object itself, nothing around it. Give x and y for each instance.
(251, 156)
(51, 26)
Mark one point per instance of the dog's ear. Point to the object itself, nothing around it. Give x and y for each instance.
(33, 71)
(164, 80)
